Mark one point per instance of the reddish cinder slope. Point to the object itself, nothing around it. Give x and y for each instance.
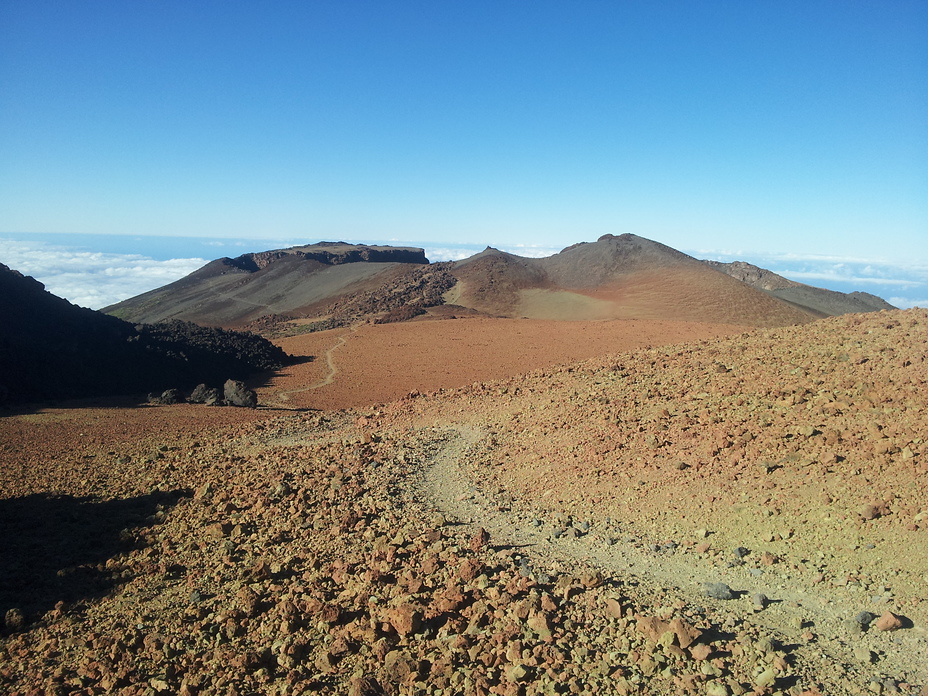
(379, 363)
(619, 277)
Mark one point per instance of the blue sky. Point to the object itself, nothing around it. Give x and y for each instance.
(748, 128)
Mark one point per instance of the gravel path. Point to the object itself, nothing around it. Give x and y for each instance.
(284, 396)
(819, 622)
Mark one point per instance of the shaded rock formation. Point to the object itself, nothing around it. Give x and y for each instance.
(51, 349)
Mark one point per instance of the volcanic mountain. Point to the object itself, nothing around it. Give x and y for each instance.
(828, 302)
(299, 281)
(51, 349)
(616, 277)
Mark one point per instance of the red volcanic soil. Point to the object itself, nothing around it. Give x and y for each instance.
(630, 508)
(377, 363)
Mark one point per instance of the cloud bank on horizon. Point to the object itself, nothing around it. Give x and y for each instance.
(96, 279)
(92, 279)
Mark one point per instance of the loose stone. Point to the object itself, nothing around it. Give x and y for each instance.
(717, 590)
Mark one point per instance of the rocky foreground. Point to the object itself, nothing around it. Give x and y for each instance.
(737, 515)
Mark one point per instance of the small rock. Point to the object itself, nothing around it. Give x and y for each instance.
(167, 397)
(479, 540)
(14, 620)
(651, 627)
(405, 619)
(281, 490)
(159, 685)
(700, 652)
(202, 394)
(864, 618)
(766, 678)
(517, 673)
(740, 552)
(759, 600)
(863, 654)
(365, 686)
(539, 624)
(717, 590)
(888, 622)
(613, 608)
(686, 634)
(852, 626)
(870, 512)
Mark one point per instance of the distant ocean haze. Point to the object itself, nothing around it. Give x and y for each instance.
(99, 270)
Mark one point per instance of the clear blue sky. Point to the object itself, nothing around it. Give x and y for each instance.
(797, 127)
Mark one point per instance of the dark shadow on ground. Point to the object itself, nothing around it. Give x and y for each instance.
(55, 548)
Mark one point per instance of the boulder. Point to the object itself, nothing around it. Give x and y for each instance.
(236, 393)
(205, 395)
(167, 397)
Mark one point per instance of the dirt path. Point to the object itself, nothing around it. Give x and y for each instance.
(331, 367)
(815, 619)
(330, 364)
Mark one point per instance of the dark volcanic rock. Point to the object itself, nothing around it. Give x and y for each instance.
(333, 253)
(167, 397)
(717, 590)
(51, 349)
(205, 395)
(237, 394)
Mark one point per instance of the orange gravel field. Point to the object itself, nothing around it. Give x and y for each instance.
(381, 363)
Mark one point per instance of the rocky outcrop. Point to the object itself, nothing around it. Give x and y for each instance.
(819, 300)
(51, 349)
(333, 253)
(760, 278)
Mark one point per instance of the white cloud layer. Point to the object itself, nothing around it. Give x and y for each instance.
(92, 279)
(907, 302)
